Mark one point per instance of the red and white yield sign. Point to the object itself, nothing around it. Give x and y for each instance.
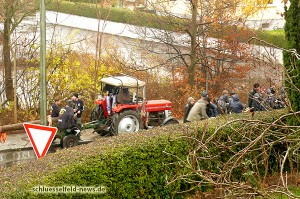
(40, 137)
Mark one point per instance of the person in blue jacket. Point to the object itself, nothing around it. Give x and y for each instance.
(236, 105)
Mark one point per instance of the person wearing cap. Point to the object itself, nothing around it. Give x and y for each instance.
(198, 111)
(188, 107)
(78, 107)
(55, 107)
(204, 94)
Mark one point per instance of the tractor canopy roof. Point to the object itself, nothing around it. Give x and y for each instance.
(124, 81)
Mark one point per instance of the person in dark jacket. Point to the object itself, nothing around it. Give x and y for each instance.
(224, 102)
(211, 109)
(253, 97)
(235, 105)
(230, 97)
(215, 102)
(258, 104)
(55, 108)
(78, 107)
(270, 100)
(188, 107)
(66, 117)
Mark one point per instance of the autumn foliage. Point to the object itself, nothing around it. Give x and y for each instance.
(222, 63)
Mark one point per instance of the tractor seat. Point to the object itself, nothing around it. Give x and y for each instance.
(123, 97)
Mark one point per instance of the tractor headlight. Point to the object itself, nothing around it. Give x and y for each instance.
(168, 113)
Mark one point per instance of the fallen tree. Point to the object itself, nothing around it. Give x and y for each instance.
(19, 126)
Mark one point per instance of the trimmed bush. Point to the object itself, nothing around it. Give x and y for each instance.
(136, 165)
(130, 166)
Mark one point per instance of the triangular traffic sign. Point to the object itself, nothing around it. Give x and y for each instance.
(40, 137)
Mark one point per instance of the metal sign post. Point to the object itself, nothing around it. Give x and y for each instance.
(43, 97)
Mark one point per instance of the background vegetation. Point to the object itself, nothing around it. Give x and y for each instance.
(87, 8)
(173, 88)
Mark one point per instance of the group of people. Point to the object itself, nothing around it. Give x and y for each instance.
(202, 109)
(70, 114)
(258, 100)
(75, 106)
(272, 100)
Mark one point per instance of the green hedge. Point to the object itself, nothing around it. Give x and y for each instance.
(111, 14)
(113, 3)
(129, 166)
(130, 172)
(86, 1)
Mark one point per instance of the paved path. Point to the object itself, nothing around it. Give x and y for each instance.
(20, 141)
(18, 148)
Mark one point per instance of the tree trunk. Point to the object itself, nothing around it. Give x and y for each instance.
(19, 126)
(8, 81)
(193, 35)
(98, 51)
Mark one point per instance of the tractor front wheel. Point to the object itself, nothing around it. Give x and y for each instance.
(171, 122)
(128, 121)
(69, 141)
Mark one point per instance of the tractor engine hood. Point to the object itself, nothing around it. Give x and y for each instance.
(158, 105)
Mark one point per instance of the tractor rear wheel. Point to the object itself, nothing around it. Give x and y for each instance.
(128, 121)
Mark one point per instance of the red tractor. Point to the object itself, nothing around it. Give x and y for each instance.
(122, 107)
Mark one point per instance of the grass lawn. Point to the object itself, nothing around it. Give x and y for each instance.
(274, 37)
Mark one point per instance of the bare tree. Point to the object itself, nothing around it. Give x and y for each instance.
(99, 48)
(12, 14)
(187, 42)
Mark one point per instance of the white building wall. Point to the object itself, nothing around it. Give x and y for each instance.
(269, 18)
